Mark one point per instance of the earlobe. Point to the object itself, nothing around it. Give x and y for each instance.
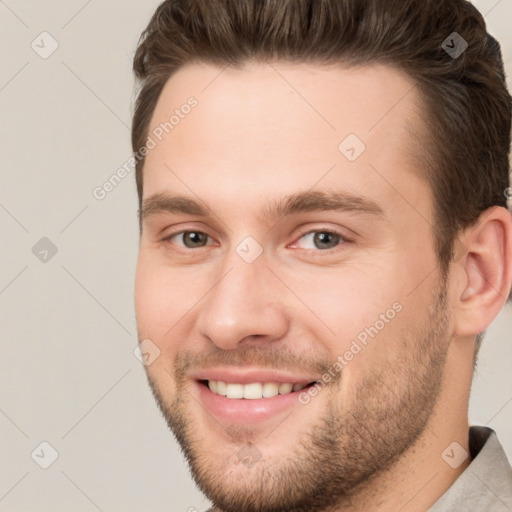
(485, 272)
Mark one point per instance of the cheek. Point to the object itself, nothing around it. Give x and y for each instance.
(156, 313)
(148, 298)
(154, 301)
(165, 297)
(359, 316)
(346, 301)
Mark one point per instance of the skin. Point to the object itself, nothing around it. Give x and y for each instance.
(373, 437)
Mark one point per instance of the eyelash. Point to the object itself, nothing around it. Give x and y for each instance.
(301, 234)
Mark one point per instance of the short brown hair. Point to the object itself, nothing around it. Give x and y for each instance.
(467, 104)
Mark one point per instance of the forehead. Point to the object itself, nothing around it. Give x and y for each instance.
(274, 128)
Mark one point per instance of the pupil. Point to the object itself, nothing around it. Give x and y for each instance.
(193, 239)
(326, 240)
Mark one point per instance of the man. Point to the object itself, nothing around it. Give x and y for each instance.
(324, 239)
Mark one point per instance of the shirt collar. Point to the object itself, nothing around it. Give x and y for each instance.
(486, 484)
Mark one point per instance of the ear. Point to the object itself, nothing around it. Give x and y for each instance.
(483, 275)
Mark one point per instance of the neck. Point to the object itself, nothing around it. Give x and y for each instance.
(420, 477)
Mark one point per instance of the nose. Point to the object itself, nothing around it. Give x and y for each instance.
(243, 307)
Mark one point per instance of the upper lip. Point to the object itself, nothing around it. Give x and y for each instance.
(241, 375)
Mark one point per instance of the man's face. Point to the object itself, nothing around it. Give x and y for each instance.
(306, 258)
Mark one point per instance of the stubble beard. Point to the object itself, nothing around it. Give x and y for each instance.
(344, 451)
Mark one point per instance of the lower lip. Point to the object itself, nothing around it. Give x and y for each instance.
(244, 410)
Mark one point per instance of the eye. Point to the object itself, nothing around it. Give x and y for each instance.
(188, 239)
(321, 239)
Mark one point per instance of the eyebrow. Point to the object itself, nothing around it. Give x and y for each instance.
(301, 202)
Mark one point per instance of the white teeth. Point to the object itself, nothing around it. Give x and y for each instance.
(285, 388)
(253, 391)
(222, 388)
(270, 389)
(235, 390)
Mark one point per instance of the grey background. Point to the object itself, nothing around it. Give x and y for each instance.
(67, 369)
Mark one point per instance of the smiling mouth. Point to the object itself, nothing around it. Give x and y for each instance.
(255, 390)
